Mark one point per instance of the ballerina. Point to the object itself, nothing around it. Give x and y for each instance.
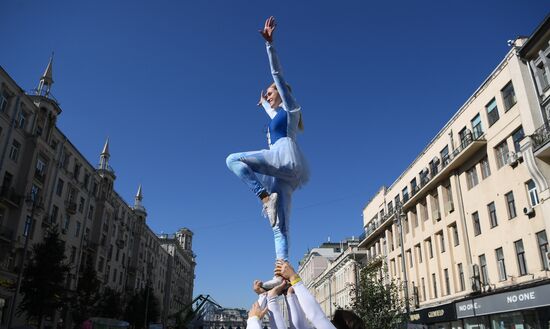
(274, 174)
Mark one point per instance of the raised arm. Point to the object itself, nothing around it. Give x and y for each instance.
(296, 314)
(311, 308)
(289, 103)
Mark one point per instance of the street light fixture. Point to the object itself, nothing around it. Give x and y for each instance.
(399, 216)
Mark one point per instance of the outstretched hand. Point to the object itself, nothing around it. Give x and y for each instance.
(284, 269)
(278, 290)
(257, 287)
(262, 98)
(256, 310)
(269, 28)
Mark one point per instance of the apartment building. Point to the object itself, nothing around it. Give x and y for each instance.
(465, 225)
(181, 266)
(46, 181)
(331, 271)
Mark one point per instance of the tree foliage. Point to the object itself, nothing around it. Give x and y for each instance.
(43, 284)
(135, 309)
(110, 304)
(377, 299)
(84, 303)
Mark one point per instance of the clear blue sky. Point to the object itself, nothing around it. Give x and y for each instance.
(174, 85)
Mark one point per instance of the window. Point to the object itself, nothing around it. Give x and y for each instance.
(53, 144)
(414, 187)
(419, 253)
(410, 258)
(445, 155)
(471, 177)
(520, 255)
(40, 167)
(492, 214)
(501, 154)
(436, 213)
(55, 212)
(542, 241)
(461, 277)
(448, 195)
(434, 285)
(492, 112)
(397, 200)
(541, 77)
(77, 230)
(22, 120)
(485, 168)
(465, 137)
(81, 205)
(476, 223)
(73, 255)
(405, 193)
(423, 289)
(390, 207)
(59, 188)
(14, 150)
(484, 271)
(429, 247)
(477, 128)
(447, 281)
(517, 136)
(3, 101)
(508, 96)
(510, 205)
(90, 212)
(500, 264)
(442, 241)
(454, 231)
(533, 195)
(67, 223)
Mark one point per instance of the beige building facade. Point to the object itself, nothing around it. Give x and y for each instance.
(331, 271)
(47, 182)
(465, 225)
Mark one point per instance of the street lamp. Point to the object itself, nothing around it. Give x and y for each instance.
(399, 215)
(31, 202)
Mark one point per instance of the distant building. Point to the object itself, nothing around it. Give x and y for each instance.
(331, 271)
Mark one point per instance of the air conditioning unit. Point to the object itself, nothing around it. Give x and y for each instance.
(529, 211)
(513, 159)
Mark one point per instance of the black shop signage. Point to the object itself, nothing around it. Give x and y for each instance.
(441, 313)
(505, 302)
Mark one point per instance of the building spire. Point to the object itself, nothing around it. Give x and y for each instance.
(46, 81)
(138, 199)
(104, 157)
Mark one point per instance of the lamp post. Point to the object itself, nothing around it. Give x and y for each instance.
(31, 202)
(399, 215)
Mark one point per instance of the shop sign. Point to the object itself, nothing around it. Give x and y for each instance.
(441, 313)
(505, 302)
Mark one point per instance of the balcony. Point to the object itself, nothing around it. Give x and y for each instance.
(71, 207)
(9, 197)
(40, 176)
(376, 227)
(540, 139)
(431, 178)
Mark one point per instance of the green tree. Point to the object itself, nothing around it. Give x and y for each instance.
(377, 299)
(110, 304)
(135, 309)
(84, 303)
(43, 285)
